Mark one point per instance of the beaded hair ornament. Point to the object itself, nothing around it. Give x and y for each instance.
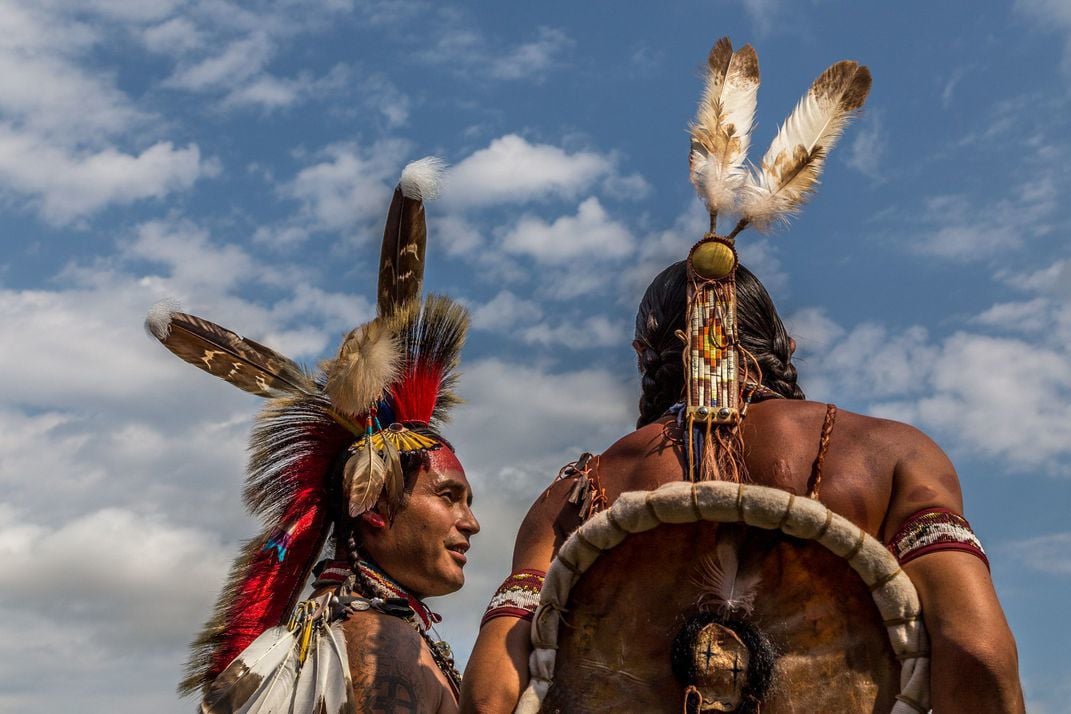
(388, 386)
(715, 365)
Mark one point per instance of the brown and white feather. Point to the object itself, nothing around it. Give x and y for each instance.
(246, 364)
(792, 166)
(721, 133)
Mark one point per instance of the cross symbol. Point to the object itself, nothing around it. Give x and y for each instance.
(736, 668)
(710, 652)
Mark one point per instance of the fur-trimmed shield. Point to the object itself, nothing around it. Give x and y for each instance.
(660, 605)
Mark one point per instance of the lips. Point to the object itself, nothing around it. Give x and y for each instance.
(457, 551)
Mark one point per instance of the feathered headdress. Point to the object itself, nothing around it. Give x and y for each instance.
(715, 364)
(390, 374)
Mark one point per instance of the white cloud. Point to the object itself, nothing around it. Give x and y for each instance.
(1052, 15)
(351, 187)
(593, 332)
(511, 169)
(534, 58)
(470, 53)
(959, 231)
(176, 36)
(72, 184)
(1046, 554)
(868, 147)
(238, 61)
(504, 312)
(988, 396)
(591, 234)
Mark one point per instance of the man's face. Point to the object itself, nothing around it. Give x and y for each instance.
(425, 548)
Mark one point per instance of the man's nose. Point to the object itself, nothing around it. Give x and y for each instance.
(468, 523)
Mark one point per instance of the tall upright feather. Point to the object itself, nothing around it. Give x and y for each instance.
(721, 133)
(793, 164)
(246, 364)
(405, 236)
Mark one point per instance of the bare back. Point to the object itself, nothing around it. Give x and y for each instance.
(782, 443)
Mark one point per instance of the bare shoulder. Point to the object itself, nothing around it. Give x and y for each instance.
(389, 666)
(923, 475)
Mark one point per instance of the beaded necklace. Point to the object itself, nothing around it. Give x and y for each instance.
(370, 581)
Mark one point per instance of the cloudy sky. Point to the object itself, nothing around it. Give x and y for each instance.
(239, 157)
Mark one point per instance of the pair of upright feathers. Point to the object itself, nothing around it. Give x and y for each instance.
(790, 169)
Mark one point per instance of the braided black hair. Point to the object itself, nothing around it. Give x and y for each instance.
(662, 313)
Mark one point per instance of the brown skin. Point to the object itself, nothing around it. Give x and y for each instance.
(876, 473)
(424, 551)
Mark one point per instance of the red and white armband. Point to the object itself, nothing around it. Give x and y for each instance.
(931, 530)
(518, 596)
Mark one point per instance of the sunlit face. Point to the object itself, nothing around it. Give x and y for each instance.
(425, 549)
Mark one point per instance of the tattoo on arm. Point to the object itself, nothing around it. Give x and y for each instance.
(391, 693)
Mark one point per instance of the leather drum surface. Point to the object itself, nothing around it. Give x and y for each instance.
(832, 651)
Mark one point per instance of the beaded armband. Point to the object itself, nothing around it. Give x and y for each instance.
(518, 596)
(934, 529)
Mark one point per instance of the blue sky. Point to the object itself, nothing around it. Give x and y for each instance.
(240, 156)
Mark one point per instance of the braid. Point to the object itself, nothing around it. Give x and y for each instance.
(659, 349)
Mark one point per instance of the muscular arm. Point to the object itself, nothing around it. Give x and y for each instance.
(497, 671)
(390, 670)
(974, 664)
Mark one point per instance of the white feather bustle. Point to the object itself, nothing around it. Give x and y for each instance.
(422, 179)
(158, 321)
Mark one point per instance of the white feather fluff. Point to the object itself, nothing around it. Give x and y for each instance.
(422, 179)
(723, 586)
(158, 321)
(368, 361)
(793, 164)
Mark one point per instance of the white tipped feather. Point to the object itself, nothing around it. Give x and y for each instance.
(324, 681)
(793, 164)
(723, 587)
(270, 664)
(368, 360)
(158, 321)
(422, 179)
(721, 133)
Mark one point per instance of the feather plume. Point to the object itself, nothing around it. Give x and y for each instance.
(368, 360)
(405, 236)
(246, 364)
(721, 583)
(721, 133)
(793, 164)
(363, 478)
(432, 336)
(294, 445)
